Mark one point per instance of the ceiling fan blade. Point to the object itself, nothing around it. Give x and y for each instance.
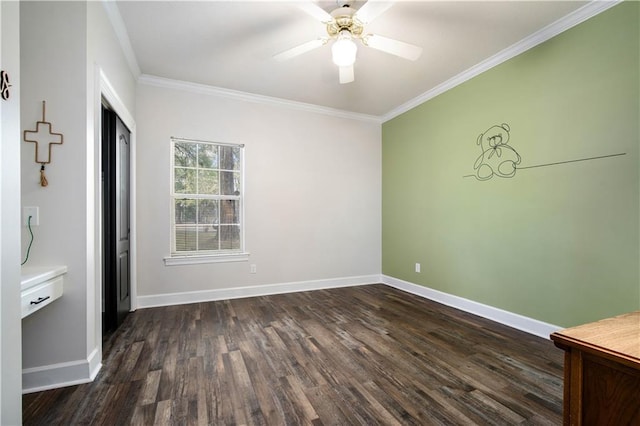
(346, 74)
(394, 47)
(314, 10)
(299, 50)
(371, 10)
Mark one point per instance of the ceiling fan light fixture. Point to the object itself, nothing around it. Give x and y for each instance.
(344, 26)
(343, 51)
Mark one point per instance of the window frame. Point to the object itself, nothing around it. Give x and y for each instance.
(206, 256)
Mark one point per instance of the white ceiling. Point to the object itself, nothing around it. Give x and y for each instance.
(230, 44)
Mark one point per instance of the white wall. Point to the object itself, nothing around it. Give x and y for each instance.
(312, 191)
(105, 52)
(64, 45)
(10, 349)
(53, 58)
(108, 77)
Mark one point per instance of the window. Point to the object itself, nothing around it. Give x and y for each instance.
(207, 186)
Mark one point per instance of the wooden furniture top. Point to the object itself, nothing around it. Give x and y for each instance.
(619, 337)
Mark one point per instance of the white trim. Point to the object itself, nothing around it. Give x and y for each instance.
(94, 360)
(113, 13)
(203, 89)
(60, 375)
(519, 322)
(169, 299)
(235, 145)
(576, 17)
(510, 319)
(84, 371)
(109, 93)
(199, 259)
(93, 258)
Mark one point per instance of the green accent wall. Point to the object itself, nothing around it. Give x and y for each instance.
(557, 243)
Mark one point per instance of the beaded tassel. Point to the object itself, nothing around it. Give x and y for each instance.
(43, 178)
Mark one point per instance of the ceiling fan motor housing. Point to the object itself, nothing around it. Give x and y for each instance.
(343, 19)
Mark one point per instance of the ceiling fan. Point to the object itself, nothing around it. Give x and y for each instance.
(344, 26)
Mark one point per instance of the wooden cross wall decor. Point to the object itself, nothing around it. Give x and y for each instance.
(43, 134)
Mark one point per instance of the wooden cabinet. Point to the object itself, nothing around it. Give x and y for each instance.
(602, 371)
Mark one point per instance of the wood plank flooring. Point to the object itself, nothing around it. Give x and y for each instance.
(362, 355)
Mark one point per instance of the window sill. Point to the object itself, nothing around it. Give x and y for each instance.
(207, 258)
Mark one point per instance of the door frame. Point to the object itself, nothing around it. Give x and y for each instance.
(105, 93)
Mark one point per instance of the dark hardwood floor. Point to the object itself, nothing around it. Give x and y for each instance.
(360, 355)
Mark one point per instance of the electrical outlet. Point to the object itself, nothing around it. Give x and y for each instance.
(253, 269)
(417, 267)
(34, 213)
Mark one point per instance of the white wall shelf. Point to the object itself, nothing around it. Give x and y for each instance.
(40, 286)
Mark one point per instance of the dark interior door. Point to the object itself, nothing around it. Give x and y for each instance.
(115, 169)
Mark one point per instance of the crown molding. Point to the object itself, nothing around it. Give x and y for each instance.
(571, 20)
(113, 13)
(586, 12)
(204, 89)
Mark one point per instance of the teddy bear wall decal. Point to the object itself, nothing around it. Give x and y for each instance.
(498, 158)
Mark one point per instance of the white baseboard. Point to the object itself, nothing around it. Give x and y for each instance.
(84, 371)
(519, 322)
(251, 291)
(61, 375)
